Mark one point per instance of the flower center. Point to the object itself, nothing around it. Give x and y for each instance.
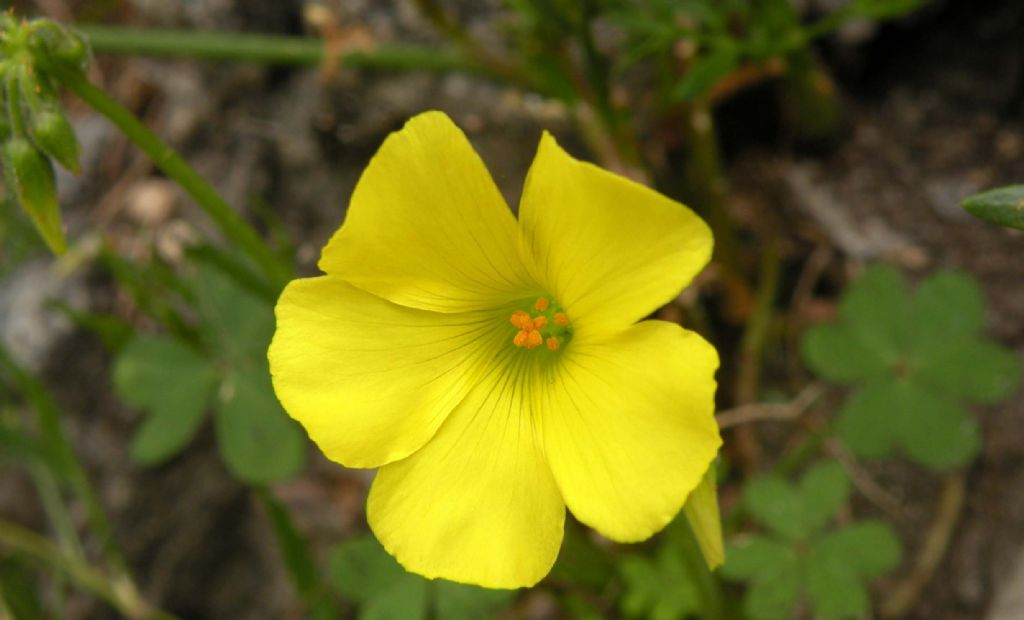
(544, 323)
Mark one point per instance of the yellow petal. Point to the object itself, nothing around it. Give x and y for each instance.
(427, 227)
(371, 381)
(628, 427)
(705, 521)
(477, 504)
(610, 250)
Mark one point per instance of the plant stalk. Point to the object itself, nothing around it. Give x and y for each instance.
(230, 223)
(125, 601)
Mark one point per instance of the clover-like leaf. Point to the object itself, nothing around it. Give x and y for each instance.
(258, 441)
(660, 588)
(171, 383)
(828, 570)
(364, 573)
(932, 356)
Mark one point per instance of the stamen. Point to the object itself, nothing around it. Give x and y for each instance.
(533, 339)
(521, 320)
(520, 338)
(550, 326)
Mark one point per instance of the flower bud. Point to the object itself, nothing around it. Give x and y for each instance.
(52, 133)
(58, 43)
(30, 178)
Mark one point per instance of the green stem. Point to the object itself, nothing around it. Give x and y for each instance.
(56, 510)
(758, 329)
(21, 540)
(230, 223)
(267, 49)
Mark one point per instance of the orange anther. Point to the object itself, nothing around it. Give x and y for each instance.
(542, 304)
(521, 320)
(533, 340)
(540, 322)
(552, 343)
(561, 319)
(521, 337)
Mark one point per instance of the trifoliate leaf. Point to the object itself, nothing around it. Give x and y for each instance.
(947, 309)
(172, 384)
(980, 371)
(259, 443)
(827, 569)
(1003, 206)
(824, 489)
(776, 505)
(932, 354)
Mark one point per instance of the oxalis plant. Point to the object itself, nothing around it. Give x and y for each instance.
(499, 372)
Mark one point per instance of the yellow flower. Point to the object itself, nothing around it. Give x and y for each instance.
(495, 372)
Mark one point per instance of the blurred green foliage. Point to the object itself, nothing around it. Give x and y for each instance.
(914, 359)
(175, 382)
(33, 127)
(799, 558)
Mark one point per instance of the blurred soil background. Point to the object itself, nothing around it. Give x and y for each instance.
(935, 106)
